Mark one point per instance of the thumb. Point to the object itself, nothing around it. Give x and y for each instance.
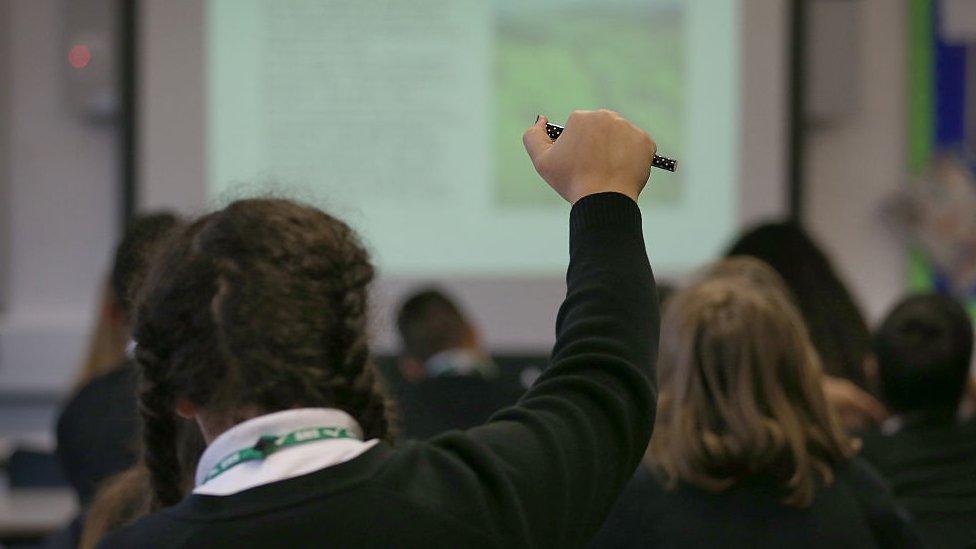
(536, 140)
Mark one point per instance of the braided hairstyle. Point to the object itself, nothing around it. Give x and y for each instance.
(256, 308)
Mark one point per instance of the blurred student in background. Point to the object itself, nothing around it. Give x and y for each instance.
(836, 326)
(97, 429)
(113, 330)
(923, 350)
(451, 381)
(746, 451)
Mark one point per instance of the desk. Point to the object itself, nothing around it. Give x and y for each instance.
(35, 512)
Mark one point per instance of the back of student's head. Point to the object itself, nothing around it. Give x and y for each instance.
(133, 252)
(752, 270)
(923, 348)
(430, 322)
(256, 308)
(835, 323)
(741, 391)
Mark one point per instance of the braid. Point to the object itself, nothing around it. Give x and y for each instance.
(355, 383)
(169, 329)
(159, 426)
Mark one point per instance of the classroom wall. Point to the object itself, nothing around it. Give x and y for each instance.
(4, 150)
(172, 35)
(765, 129)
(60, 210)
(857, 161)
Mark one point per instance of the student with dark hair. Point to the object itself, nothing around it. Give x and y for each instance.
(253, 323)
(430, 324)
(837, 328)
(451, 382)
(923, 349)
(746, 451)
(97, 427)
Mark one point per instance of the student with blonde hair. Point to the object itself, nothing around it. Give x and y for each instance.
(746, 451)
(854, 406)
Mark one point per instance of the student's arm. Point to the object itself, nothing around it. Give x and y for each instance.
(547, 470)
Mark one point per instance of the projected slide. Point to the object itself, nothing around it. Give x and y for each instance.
(406, 118)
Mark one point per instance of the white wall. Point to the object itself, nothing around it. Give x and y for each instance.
(4, 149)
(172, 98)
(855, 162)
(765, 58)
(60, 206)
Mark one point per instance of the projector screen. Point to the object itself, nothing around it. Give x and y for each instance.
(405, 119)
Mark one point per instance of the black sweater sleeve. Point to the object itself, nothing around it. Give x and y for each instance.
(549, 468)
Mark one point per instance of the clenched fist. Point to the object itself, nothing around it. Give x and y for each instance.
(599, 151)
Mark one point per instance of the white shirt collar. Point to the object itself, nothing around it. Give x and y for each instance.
(892, 425)
(295, 461)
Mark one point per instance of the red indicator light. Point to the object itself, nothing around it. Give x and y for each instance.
(79, 56)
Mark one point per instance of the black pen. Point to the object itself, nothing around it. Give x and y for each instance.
(658, 161)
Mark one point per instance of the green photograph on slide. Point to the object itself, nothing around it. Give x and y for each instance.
(626, 56)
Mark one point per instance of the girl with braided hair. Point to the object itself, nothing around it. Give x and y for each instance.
(252, 323)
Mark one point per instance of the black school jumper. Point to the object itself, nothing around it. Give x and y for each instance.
(931, 464)
(543, 473)
(856, 510)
